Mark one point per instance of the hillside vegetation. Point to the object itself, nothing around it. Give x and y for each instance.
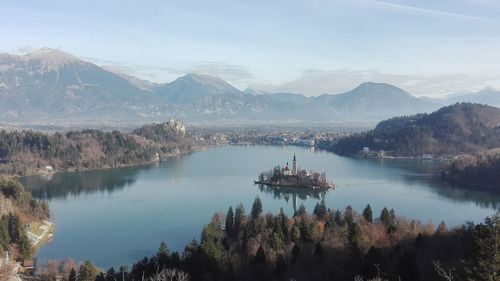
(18, 208)
(451, 130)
(481, 169)
(325, 245)
(27, 152)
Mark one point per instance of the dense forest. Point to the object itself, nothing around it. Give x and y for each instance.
(28, 152)
(18, 208)
(455, 129)
(481, 169)
(325, 245)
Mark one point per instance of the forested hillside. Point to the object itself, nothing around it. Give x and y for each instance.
(325, 245)
(27, 152)
(455, 129)
(482, 169)
(17, 209)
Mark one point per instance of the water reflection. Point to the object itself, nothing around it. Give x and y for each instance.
(186, 191)
(293, 193)
(426, 173)
(61, 185)
(456, 192)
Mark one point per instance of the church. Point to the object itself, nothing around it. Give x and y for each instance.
(293, 172)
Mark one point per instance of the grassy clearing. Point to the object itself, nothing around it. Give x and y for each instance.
(37, 228)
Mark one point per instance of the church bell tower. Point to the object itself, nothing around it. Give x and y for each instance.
(294, 167)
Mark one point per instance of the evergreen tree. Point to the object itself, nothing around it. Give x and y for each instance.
(320, 209)
(353, 234)
(230, 222)
(385, 217)
(391, 228)
(393, 216)
(24, 247)
(163, 256)
(100, 277)
(484, 264)
(256, 208)
(87, 272)
(301, 210)
(4, 233)
(163, 250)
(211, 241)
(277, 240)
(260, 256)
(283, 223)
(295, 233)
(239, 217)
(337, 218)
(305, 231)
(442, 228)
(349, 215)
(110, 274)
(72, 275)
(368, 214)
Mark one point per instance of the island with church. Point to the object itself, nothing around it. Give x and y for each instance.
(294, 177)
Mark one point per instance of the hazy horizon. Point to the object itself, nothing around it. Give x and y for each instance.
(269, 89)
(426, 48)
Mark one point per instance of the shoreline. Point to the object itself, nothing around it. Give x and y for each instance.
(73, 170)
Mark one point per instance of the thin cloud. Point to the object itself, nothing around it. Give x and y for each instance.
(23, 50)
(315, 82)
(429, 11)
(237, 74)
(228, 72)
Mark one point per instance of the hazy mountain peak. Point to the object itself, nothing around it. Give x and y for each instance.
(487, 95)
(488, 90)
(51, 57)
(203, 83)
(378, 88)
(203, 79)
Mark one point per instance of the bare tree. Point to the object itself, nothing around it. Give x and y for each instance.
(447, 275)
(170, 275)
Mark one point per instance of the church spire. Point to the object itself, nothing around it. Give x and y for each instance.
(294, 167)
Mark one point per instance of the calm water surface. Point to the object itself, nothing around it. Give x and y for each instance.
(115, 217)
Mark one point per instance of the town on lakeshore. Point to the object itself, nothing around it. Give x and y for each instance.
(286, 177)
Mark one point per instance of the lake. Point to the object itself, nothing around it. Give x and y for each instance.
(115, 217)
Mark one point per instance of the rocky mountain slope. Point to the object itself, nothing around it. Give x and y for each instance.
(51, 86)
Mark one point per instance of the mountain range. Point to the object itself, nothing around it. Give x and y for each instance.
(487, 96)
(51, 86)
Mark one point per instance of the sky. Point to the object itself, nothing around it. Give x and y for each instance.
(427, 47)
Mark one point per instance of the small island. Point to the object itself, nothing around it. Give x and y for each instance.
(294, 177)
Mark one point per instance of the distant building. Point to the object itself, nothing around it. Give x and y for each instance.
(287, 171)
(177, 125)
(366, 149)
